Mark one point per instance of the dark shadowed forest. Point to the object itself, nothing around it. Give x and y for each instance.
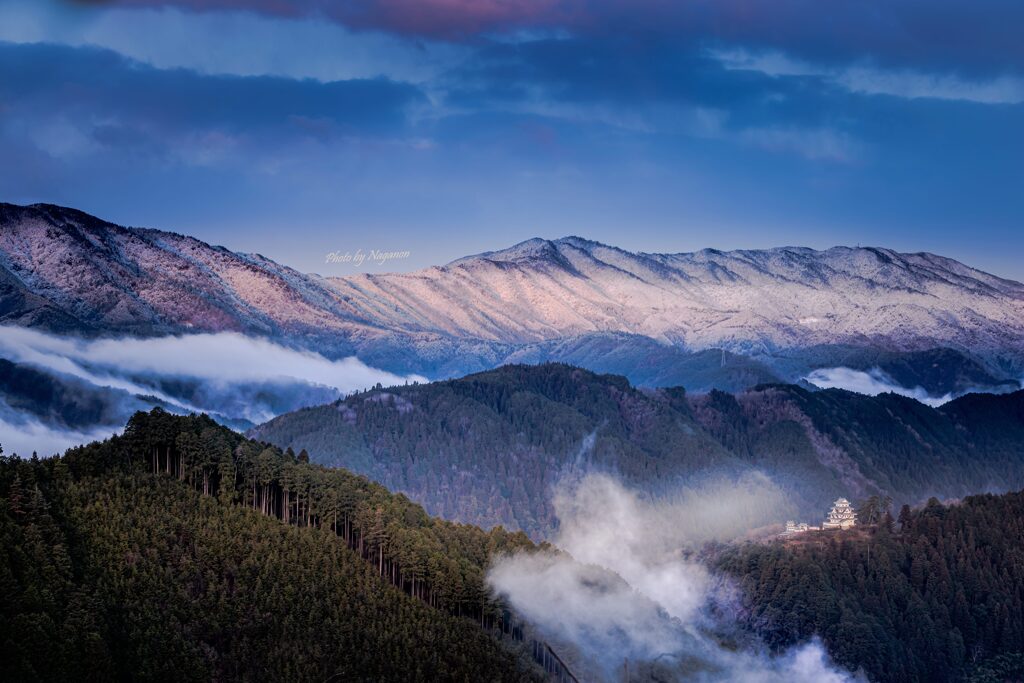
(934, 595)
(183, 551)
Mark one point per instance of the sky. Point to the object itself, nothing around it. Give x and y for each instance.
(442, 128)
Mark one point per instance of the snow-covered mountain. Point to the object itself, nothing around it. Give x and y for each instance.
(771, 314)
(62, 269)
(744, 301)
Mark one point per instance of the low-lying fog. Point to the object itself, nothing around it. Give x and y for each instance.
(628, 589)
(61, 391)
(872, 383)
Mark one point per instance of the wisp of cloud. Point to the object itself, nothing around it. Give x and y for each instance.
(871, 383)
(24, 435)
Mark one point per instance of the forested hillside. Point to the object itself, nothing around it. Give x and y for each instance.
(488, 448)
(937, 595)
(502, 439)
(856, 446)
(182, 551)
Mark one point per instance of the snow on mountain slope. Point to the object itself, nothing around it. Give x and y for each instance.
(747, 301)
(111, 279)
(568, 299)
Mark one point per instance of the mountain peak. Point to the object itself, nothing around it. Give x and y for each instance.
(540, 250)
(582, 243)
(535, 249)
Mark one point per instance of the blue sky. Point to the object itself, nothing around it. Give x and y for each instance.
(449, 127)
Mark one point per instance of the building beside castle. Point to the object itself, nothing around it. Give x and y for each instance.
(798, 528)
(841, 516)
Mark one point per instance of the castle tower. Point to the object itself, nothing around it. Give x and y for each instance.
(841, 516)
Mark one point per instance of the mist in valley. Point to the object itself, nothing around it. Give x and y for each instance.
(627, 589)
(61, 391)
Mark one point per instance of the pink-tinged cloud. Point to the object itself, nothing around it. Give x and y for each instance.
(455, 18)
(946, 34)
(434, 18)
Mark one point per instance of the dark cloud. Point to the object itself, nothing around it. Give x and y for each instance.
(949, 35)
(618, 121)
(111, 100)
(639, 77)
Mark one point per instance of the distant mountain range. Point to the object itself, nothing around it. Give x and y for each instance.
(705, 320)
(753, 302)
(490, 448)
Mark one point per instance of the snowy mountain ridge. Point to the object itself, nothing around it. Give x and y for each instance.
(572, 299)
(745, 301)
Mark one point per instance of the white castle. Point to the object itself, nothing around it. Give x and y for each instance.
(841, 516)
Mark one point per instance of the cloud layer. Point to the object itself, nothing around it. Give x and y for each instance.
(151, 111)
(238, 379)
(23, 434)
(946, 33)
